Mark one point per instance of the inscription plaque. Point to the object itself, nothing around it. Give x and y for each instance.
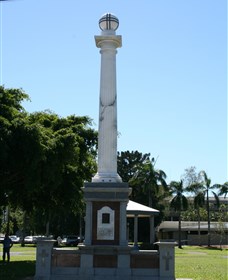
(105, 223)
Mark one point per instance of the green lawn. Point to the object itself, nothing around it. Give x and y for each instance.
(194, 262)
(201, 263)
(22, 263)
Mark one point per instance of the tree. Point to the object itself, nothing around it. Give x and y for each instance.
(178, 203)
(190, 176)
(200, 185)
(138, 170)
(69, 150)
(199, 202)
(148, 183)
(221, 228)
(153, 182)
(191, 214)
(223, 189)
(44, 159)
(206, 184)
(11, 112)
(128, 164)
(192, 182)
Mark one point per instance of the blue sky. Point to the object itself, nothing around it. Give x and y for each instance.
(171, 72)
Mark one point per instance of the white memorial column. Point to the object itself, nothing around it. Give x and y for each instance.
(108, 42)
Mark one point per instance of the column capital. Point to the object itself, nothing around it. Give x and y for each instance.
(110, 40)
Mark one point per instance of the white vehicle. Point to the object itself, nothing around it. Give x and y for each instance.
(15, 238)
(1, 239)
(70, 240)
(30, 239)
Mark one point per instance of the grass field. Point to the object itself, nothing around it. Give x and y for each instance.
(200, 263)
(22, 263)
(194, 262)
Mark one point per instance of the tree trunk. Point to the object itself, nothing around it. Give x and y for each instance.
(199, 237)
(208, 221)
(179, 232)
(47, 228)
(23, 231)
(7, 219)
(48, 221)
(150, 199)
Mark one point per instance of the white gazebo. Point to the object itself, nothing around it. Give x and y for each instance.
(136, 210)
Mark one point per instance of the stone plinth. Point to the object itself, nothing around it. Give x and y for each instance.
(65, 258)
(101, 191)
(144, 259)
(106, 205)
(167, 260)
(104, 262)
(119, 262)
(43, 258)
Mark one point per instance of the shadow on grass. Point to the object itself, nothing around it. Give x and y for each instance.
(17, 270)
(216, 248)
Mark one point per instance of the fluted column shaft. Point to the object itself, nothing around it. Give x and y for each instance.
(107, 135)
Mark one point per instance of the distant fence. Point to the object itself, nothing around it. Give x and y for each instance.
(216, 239)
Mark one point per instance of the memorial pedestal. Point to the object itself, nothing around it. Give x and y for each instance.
(106, 219)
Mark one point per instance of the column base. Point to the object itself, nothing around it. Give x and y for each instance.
(104, 177)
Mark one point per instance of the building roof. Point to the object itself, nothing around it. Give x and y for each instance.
(222, 199)
(134, 208)
(190, 226)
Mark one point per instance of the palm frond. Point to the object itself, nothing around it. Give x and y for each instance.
(199, 200)
(216, 199)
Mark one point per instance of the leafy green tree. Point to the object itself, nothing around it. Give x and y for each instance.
(69, 161)
(138, 170)
(178, 203)
(148, 183)
(222, 219)
(11, 112)
(44, 159)
(153, 182)
(191, 214)
(128, 164)
(198, 203)
(200, 185)
(192, 182)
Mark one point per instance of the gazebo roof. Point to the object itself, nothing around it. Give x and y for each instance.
(134, 208)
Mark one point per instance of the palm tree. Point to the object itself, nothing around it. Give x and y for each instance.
(206, 185)
(223, 189)
(153, 181)
(178, 203)
(199, 200)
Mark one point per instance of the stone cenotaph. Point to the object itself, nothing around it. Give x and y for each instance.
(105, 253)
(106, 196)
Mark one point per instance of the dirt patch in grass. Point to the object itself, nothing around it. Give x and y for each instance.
(196, 253)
